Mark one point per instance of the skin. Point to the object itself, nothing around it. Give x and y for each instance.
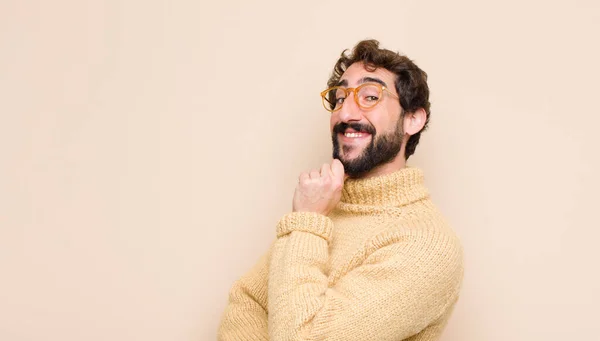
(319, 190)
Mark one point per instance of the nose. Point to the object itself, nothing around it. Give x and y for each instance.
(350, 110)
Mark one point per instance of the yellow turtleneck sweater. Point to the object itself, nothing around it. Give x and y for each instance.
(384, 265)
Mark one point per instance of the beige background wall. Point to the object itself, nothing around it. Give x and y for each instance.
(147, 149)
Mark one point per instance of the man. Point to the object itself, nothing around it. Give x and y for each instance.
(364, 254)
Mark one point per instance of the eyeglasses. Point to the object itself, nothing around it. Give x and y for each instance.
(366, 96)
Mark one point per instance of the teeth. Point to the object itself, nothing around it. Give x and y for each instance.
(353, 134)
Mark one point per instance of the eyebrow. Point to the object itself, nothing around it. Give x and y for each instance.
(363, 80)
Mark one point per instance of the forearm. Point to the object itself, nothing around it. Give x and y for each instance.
(297, 279)
(245, 317)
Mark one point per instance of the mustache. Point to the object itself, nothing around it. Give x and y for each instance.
(341, 127)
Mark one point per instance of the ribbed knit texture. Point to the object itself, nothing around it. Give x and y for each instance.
(384, 265)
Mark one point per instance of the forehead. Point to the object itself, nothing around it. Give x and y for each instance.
(357, 71)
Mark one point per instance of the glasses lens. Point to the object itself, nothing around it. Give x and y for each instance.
(334, 98)
(369, 95)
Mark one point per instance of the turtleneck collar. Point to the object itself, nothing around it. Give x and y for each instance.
(400, 188)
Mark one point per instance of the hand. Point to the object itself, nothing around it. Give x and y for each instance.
(320, 191)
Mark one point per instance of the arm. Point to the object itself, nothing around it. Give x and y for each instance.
(404, 283)
(245, 317)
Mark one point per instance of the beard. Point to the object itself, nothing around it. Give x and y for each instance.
(380, 150)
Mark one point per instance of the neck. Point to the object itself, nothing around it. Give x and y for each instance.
(395, 189)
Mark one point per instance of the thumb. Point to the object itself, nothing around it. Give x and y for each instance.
(338, 170)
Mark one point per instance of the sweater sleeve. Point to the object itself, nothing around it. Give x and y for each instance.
(403, 284)
(245, 317)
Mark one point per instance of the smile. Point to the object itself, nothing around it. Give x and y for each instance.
(355, 135)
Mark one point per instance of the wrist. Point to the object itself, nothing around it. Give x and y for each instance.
(303, 221)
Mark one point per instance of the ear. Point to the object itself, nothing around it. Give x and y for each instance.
(414, 121)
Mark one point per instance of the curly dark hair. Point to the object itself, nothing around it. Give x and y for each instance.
(411, 81)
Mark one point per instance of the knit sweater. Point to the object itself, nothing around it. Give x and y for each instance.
(384, 265)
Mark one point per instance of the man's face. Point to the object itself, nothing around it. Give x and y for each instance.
(364, 139)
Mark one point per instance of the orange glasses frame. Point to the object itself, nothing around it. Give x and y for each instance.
(355, 91)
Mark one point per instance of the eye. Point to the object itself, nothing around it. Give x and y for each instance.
(372, 98)
(340, 100)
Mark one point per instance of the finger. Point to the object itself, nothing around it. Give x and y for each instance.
(326, 170)
(303, 177)
(337, 169)
(314, 174)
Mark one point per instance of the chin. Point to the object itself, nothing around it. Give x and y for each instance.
(348, 158)
(353, 154)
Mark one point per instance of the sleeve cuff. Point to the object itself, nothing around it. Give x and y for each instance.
(310, 222)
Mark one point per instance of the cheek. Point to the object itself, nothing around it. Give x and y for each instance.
(378, 121)
(388, 119)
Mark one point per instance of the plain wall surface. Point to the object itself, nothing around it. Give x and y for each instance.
(148, 149)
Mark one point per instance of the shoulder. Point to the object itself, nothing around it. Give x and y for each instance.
(419, 220)
(423, 235)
